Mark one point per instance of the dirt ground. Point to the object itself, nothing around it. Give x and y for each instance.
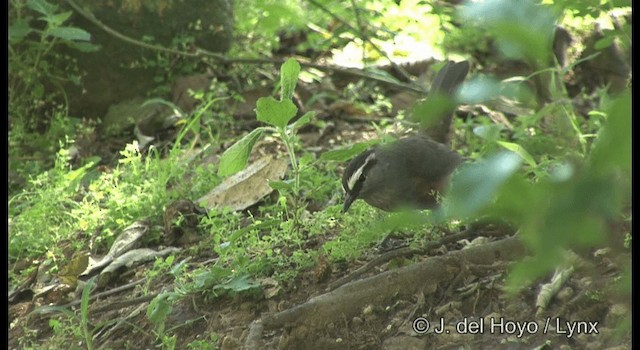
(448, 301)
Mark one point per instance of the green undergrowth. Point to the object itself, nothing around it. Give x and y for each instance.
(560, 175)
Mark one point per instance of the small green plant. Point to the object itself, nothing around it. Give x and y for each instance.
(277, 114)
(160, 268)
(84, 313)
(34, 65)
(627, 240)
(209, 344)
(69, 201)
(71, 323)
(39, 73)
(566, 208)
(581, 168)
(157, 312)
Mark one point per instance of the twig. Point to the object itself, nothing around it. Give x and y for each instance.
(107, 293)
(123, 303)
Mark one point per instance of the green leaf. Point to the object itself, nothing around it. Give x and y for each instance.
(76, 174)
(83, 46)
(276, 15)
(612, 149)
(70, 33)
(59, 18)
(19, 30)
(282, 186)
(346, 153)
(238, 284)
(304, 120)
(516, 41)
(235, 158)
(522, 29)
(42, 6)
(604, 42)
(276, 113)
(488, 132)
(519, 150)
(476, 184)
(289, 73)
(305, 160)
(37, 90)
(159, 309)
(84, 301)
(479, 90)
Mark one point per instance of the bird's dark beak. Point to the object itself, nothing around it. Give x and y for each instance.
(348, 199)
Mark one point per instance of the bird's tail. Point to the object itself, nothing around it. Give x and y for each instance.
(437, 114)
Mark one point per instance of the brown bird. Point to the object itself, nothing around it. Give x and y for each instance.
(410, 172)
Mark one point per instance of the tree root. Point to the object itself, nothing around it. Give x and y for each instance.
(350, 299)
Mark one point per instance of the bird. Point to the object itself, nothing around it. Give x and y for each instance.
(411, 172)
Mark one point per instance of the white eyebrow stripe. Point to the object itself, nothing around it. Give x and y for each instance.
(356, 174)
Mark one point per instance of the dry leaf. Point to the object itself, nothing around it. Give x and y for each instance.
(69, 273)
(246, 187)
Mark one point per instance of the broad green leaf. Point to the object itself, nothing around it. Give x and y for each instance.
(235, 158)
(59, 18)
(19, 30)
(305, 160)
(519, 150)
(42, 6)
(612, 149)
(276, 15)
(522, 29)
(70, 33)
(289, 73)
(488, 132)
(238, 284)
(477, 184)
(517, 41)
(604, 42)
(547, 241)
(276, 113)
(76, 174)
(159, 309)
(479, 90)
